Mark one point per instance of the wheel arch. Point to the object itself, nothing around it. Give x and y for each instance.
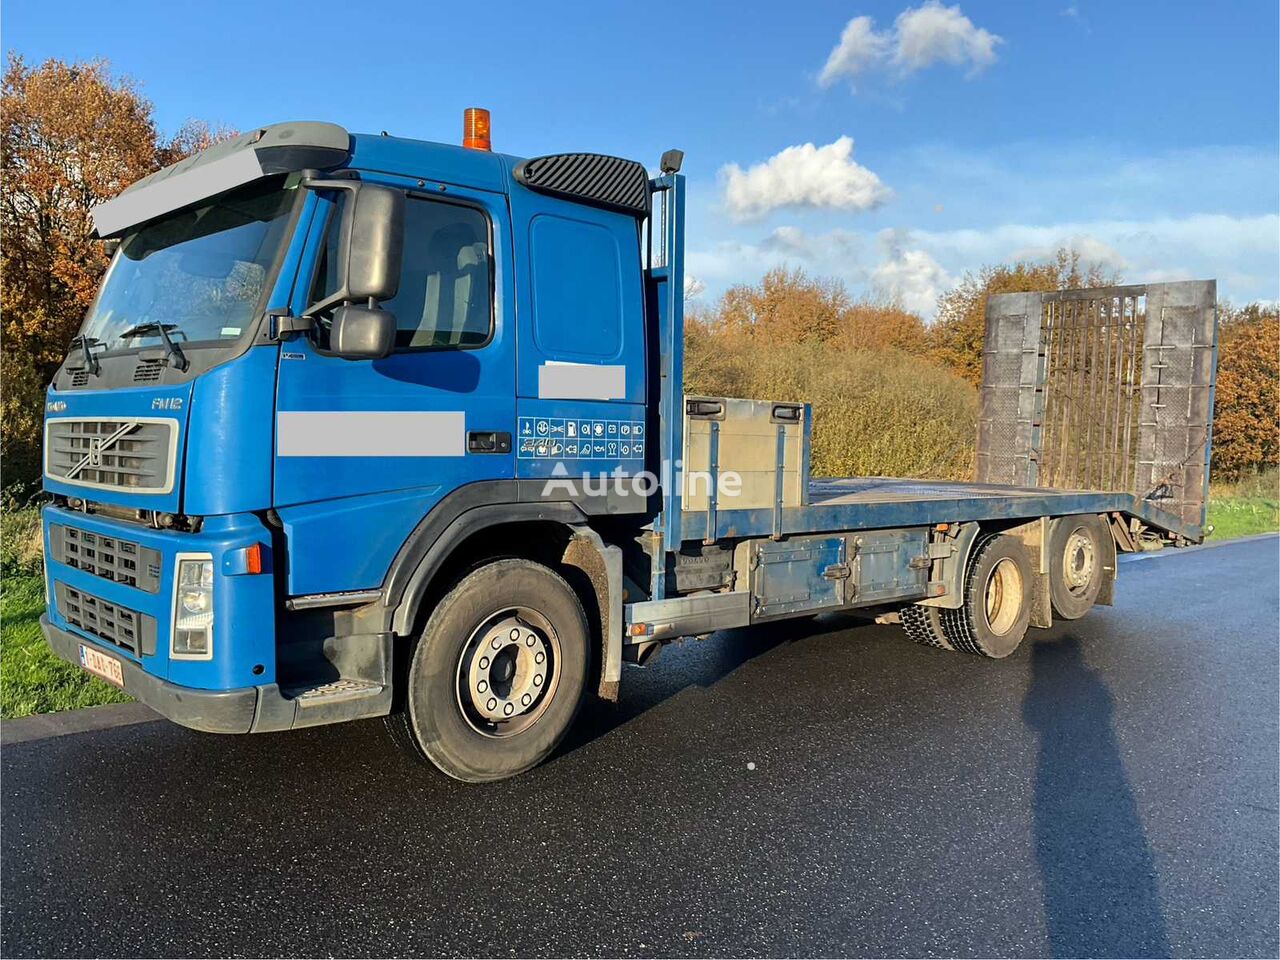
(533, 531)
(442, 550)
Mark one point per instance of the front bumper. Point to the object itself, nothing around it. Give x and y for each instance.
(213, 711)
(260, 709)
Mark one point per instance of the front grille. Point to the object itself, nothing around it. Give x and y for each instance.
(147, 372)
(109, 622)
(121, 561)
(131, 455)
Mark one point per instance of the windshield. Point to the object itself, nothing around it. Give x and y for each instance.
(202, 272)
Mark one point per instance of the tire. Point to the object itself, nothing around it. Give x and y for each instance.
(993, 618)
(497, 677)
(1077, 552)
(924, 625)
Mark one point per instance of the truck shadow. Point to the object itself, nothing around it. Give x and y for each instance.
(691, 663)
(1101, 896)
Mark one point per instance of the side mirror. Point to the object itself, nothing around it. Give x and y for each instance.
(362, 333)
(370, 242)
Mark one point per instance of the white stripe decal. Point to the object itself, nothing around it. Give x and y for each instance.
(180, 189)
(342, 433)
(581, 381)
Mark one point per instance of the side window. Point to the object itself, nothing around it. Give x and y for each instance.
(446, 276)
(577, 288)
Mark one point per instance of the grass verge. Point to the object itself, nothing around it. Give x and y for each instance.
(32, 679)
(1248, 507)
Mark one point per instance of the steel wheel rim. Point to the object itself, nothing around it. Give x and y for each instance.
(508, 672)
(1003, 596)
(1079, 560)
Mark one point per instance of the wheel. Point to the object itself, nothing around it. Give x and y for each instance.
(924, 625)
(1077, 553)
(993, 618)
(497, 676)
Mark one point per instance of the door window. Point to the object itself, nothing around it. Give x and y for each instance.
(446, 276)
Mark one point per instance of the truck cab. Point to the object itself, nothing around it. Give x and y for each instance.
(312, 353)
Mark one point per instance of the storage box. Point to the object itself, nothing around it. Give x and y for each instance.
(765, 443)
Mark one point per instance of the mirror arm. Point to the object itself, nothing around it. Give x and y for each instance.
(282, 322)
(341, 296)
(316, 183)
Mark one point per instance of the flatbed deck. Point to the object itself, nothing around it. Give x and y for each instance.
(867, 503)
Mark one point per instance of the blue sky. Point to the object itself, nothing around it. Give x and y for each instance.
(1144, 134)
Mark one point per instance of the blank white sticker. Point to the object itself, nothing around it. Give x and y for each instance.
(390, 433)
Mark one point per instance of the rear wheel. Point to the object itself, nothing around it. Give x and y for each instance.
(924, 625)
(1077, 552)
(996, 611)
(497, 676)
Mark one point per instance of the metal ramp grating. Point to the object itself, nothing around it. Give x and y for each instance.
(1107, 389)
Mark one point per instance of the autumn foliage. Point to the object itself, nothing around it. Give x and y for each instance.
(881, 406)
(72, 135)
(957, 333)
(1246, 422)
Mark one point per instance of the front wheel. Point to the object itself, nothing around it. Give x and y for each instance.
(498, 674)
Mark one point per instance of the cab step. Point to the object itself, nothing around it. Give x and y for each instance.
(335, 691)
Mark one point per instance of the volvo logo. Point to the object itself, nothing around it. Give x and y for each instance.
(98, 446)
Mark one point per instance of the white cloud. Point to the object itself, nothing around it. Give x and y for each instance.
(1210, 243)
(824, 177)
(834, 253)
(921, 36)
(693, 287)
(932, 33)
(916, 265)
(860, 48)
(909, 277)
(1090, 248)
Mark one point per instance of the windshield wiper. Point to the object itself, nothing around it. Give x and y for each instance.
(87, 362)
(172, 355)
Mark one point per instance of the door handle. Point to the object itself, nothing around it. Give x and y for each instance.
(488, 441)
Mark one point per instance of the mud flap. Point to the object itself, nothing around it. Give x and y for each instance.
(603, 566)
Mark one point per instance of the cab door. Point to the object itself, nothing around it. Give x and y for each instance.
(365, 448)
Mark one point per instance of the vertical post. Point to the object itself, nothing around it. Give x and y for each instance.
(669, 280)
(714, 493)
(779, 480)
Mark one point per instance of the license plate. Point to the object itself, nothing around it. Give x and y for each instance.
(100, 665)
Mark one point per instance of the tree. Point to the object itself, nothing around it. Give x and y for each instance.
(1246, 418)
(787, 306)
(71, 136)
(871, 325)
(957, 333)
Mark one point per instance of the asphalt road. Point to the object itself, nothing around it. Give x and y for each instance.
(827, 789)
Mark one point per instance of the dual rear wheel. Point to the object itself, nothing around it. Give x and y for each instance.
(997, 587)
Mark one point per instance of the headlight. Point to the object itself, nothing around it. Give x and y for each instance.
(193, 610)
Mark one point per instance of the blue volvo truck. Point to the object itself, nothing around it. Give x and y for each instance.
(361, 426)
